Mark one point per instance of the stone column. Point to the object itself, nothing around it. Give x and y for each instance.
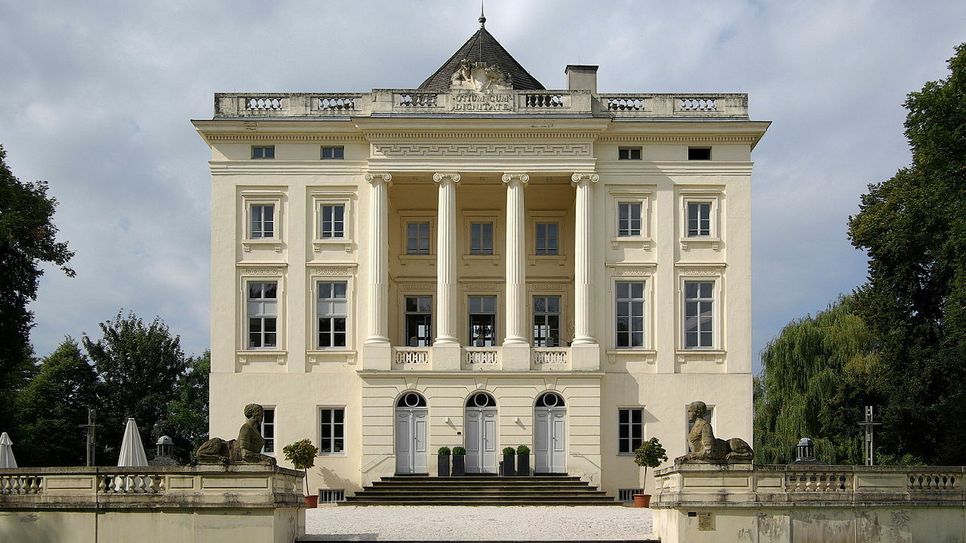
(516, 279)
(377, 350)
(446, 347)
(585, 353)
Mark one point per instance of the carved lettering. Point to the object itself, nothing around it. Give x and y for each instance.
(490, 101)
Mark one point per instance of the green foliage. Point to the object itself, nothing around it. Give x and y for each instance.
(443, 451)
(301, 453)
(509, 450)
(650, 454)
(52, 406)
(815, 381)
(185, 419)
(139, 366)
(27, 240)
(913, 227)
(459, 451)
(523, 450)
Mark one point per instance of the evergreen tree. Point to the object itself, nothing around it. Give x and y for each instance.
(186, 416)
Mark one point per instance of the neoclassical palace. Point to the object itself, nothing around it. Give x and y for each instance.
(480, 262)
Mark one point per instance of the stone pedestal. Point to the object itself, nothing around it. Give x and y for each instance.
(515, 357)
(447, 357)
(585, 357)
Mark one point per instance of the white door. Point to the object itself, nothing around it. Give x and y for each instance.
(480, 440)
(411, 454)
(550, 435)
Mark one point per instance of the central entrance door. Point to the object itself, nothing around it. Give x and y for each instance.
(411, 420)
(481, 433)
(550, 434)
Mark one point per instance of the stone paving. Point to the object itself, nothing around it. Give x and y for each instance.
(444, 523)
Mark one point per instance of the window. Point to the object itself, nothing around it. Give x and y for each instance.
(481, 238)
(332, 312)
(332, 434)
(699, 219)
(629, 153)
(262, 223)
(262, 152)
(482, 321)
(630, 430)
(333, 221)
(417, 238)
(628, 219)
(698, 314)
(699, 153)
(546, 321)
(268, 430)
(547, 239)
(262, 314)
(630, 314)
(419, 321)
(333, 153)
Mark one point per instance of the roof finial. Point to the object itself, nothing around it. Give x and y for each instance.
(482, 17)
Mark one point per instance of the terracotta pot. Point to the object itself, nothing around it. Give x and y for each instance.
(311, 502)
(642, 500)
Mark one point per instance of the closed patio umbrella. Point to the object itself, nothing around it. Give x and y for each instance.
(132, 449)
(6, 452)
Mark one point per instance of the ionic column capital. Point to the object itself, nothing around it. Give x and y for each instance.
(375, 177)
(446, 177)
(509, 178)
(578, 178)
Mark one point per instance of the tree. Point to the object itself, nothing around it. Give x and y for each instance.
(27, 239)
(186, 415)
(816, 378)
(139, 366)
(53, 406)
(913, 227)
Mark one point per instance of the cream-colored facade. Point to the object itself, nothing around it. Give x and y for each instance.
(371, 209)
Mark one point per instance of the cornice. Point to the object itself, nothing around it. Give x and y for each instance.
(678, 138)
(285, 138)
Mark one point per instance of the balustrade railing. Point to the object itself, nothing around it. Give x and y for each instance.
(417, 100)
(481, 356)
(544, 100)
(935, 481)
(697, 104)
(336, 103)
(406, 356)
(21, 484)
(141, 483)
(619, 103)
(550, 356)
(818, 481)
(266, 103)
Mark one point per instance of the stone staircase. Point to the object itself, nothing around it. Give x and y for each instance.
(480, 490)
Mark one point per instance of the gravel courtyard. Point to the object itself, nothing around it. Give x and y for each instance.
(375, 523)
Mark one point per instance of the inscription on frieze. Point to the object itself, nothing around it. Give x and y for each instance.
(481, 101)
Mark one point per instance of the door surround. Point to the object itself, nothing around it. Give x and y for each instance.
(410, 425)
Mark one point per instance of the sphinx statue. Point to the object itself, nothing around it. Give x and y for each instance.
(705, 448)
(246, 449)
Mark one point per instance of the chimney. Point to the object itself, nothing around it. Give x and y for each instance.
(581, 77)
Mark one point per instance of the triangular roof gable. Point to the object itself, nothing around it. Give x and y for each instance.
(481, 47)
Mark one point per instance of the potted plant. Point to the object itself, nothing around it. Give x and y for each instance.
(302, 456)
(459, 461)
(523, 460)
(649, 455)
(509, 453)
(442, 461)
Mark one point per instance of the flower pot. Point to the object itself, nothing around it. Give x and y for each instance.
(642, 500)
(459, 465)
(523, 464)
(508, 465)
(312, 501)
(442, 465)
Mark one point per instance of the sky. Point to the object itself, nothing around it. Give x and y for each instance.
(96, 98)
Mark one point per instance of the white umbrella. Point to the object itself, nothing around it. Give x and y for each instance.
(132, 450)
(6, 452)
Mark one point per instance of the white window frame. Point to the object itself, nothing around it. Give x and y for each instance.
(251, 151)
(470, 217)
(274, 425)
(335, 196)
(633, 273)
(251, 198)
(334, 315)
(345, 423)
(564, 244)
(630, 425)
(536, 237)
(697, 204)
(248, 315)
(644, 311)
(330, 274)
(715, 312)
(700, 196)
(429, 237)
(630, 195)
(322, 222)
(405, 314)
(561, 322)
(407, 216)
(497, 338)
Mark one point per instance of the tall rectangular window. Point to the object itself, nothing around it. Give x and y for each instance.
(263, 152)
(699, 219)
(698, 314)
(262, 314)
(268, 430)
(630, 424)
(628, 219)
(333, 221)
(262, 221)
(481, 238)
(419, 321)
(332, 431)
(333, 153)
(629, 153)
(482, 321)
(546, 321)
(332, 313)
(547, 239)
(630, 314)
(417, 238)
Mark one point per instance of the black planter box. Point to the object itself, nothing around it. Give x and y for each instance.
(442, 463)
(523, 464)
(459, 465)
(508, 465)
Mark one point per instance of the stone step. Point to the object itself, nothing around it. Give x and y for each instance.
(481, 502)
(444, 486)
(482, 478)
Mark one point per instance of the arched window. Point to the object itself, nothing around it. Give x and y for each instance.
(411, 399)
(480, 399)
(550, 399)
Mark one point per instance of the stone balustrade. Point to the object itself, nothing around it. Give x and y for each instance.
(490, 359)
(414, 101)
(411, 358)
